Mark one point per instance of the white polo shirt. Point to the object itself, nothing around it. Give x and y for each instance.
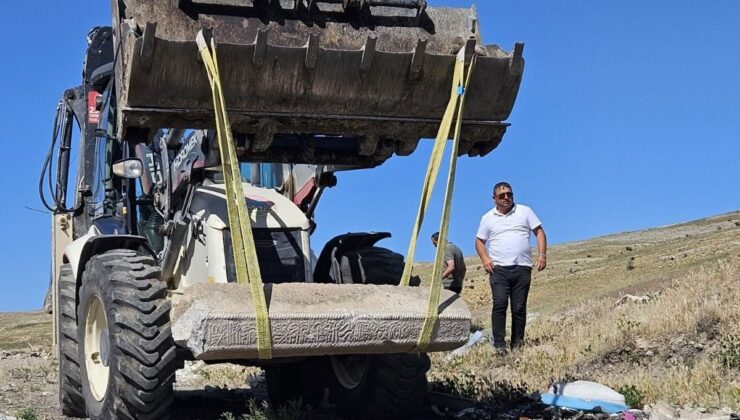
(508, 235)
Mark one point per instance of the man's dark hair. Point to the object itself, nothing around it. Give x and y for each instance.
(435, 236)
(502, 184)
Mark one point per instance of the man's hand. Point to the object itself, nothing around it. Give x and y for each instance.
(449, 269)
(488, 265)
(480, 248)
(541, 247)
(541, 262)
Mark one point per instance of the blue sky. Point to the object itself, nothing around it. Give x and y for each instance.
(628, 117)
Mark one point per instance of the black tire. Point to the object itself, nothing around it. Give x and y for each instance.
(282, 386)
(372, 265)
(394, 386)
(141, 358)
(71, 400)
(305, 380)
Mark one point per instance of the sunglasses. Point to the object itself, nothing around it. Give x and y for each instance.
(504, 195)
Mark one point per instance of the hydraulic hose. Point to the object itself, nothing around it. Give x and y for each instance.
(62, 127)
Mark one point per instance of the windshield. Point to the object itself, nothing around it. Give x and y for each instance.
(265, 175)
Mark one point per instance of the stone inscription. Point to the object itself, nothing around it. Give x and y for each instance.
(223, 333)
(227, 333)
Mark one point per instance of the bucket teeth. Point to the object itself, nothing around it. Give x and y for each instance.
(368, 145)
(146, 51)
(469, 49)
(417, 59)
(288, 67)
(406, 147)
(368, 52)
(260, 47)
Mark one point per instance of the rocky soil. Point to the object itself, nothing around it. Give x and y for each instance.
(28, 391)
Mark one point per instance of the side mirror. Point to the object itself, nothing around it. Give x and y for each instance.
(128, 168)
(327, 179)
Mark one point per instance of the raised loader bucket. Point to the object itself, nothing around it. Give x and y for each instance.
(375, 72)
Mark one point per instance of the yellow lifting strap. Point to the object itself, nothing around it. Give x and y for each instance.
(245, 254)
(454, 110)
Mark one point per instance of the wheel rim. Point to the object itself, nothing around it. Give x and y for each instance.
(350, 370)
(97, 348)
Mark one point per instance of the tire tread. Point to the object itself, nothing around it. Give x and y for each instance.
(143, 372)
(71, 400)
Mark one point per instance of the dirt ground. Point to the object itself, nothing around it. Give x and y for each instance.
(203, 392)
(29, 391)
(30, 385)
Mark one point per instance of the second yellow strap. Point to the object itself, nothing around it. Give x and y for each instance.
(435, 287)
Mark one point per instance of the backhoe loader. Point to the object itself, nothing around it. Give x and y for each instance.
(145, 269)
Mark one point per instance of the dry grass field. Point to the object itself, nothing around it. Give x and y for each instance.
(681, 346)
(25, 330)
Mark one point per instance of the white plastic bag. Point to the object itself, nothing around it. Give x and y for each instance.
(588, 391)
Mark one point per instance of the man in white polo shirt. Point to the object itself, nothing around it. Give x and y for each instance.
(508, 259)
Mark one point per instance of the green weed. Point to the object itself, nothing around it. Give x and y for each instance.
(293, 410)
(627, 326)
(730, 352)
(28, 413)
(633, 397)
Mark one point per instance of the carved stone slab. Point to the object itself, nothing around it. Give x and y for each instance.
(216, 321)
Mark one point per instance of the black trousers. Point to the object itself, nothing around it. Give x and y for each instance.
(455, 288)
(509, 283)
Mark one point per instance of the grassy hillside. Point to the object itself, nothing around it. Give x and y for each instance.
(632, 262)
(25, 330)
(682, 346)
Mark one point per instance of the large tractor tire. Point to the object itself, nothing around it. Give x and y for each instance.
(305, 381)
(386, 386)
(71, 400)
(126, 351)
(372, 265)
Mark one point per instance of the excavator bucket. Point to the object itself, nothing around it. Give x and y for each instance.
(346, 79)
